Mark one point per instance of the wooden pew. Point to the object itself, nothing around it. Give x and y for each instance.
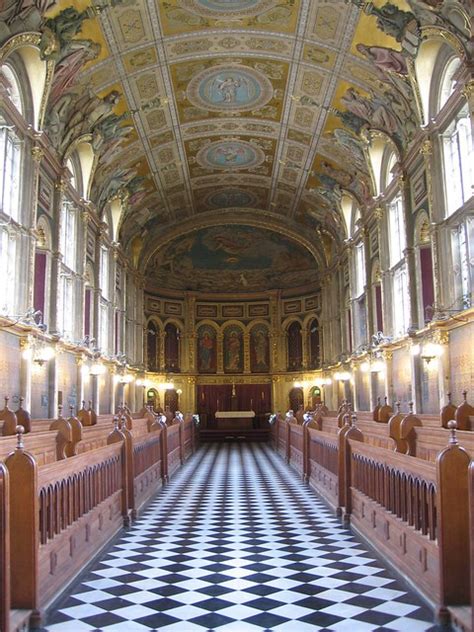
(415, 513)
(61, 514)
(4, 550)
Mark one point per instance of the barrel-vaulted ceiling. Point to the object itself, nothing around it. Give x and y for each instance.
(221, 112)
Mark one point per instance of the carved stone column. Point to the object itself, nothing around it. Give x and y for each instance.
(444, 366)
(52, 387)
(25, 374)
(304, 347)
(388, 357)
(246, 338)
(220, 352)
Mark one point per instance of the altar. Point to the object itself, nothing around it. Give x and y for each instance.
(234, 419)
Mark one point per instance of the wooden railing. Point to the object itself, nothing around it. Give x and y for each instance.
(414, 511)
(65, 510)
(4, 550)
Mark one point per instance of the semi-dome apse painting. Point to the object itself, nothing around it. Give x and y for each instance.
(232, 259)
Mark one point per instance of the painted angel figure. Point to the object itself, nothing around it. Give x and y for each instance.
(228, 87)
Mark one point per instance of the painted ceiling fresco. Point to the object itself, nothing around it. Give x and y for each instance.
(261, 106)
(234, 258)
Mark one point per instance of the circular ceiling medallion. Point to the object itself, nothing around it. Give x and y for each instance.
(229, 88)
(230, 154)
(229, 198)
(232, 8)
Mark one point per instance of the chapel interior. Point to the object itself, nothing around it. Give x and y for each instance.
(226, 224)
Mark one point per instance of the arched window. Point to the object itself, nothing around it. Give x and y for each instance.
(295, 347)
(10, 171)
(448, 81)
(153, 347)
(172, 348)
(13, 87)
(314, 345)
(458, 160)
(68, 241)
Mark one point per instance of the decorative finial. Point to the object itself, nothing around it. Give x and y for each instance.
(123, 422)
(60, 410)
(354, 420)
(19, 437)
(83, 403)
(378, 401)
(398, 404)
(347, 419)
(464, 394)
(410, 406)
(452, 425)
(21, 400)
(449, 397)
(71, 408)
(386, 400)
(116, 422)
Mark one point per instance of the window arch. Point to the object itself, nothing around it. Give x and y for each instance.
(458, 156)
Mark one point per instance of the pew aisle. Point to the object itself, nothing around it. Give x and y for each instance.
(237, 543)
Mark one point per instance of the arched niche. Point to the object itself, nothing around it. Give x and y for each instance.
(206, 340)
(296, 398)
(171, 400)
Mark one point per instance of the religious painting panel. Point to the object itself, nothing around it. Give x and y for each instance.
(295, 347)
(172, 348)
(314, 345)
(259, 350)
(233, 350)
(153, 347)
(207, 345)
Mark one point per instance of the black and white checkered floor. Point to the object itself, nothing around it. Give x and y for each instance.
(236, 543)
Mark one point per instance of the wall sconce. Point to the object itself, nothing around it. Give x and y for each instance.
(97, 369)
(39, 353)
(377, 367)
(431, 351)
(179, 391)
(166, 386)
(342, 376)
